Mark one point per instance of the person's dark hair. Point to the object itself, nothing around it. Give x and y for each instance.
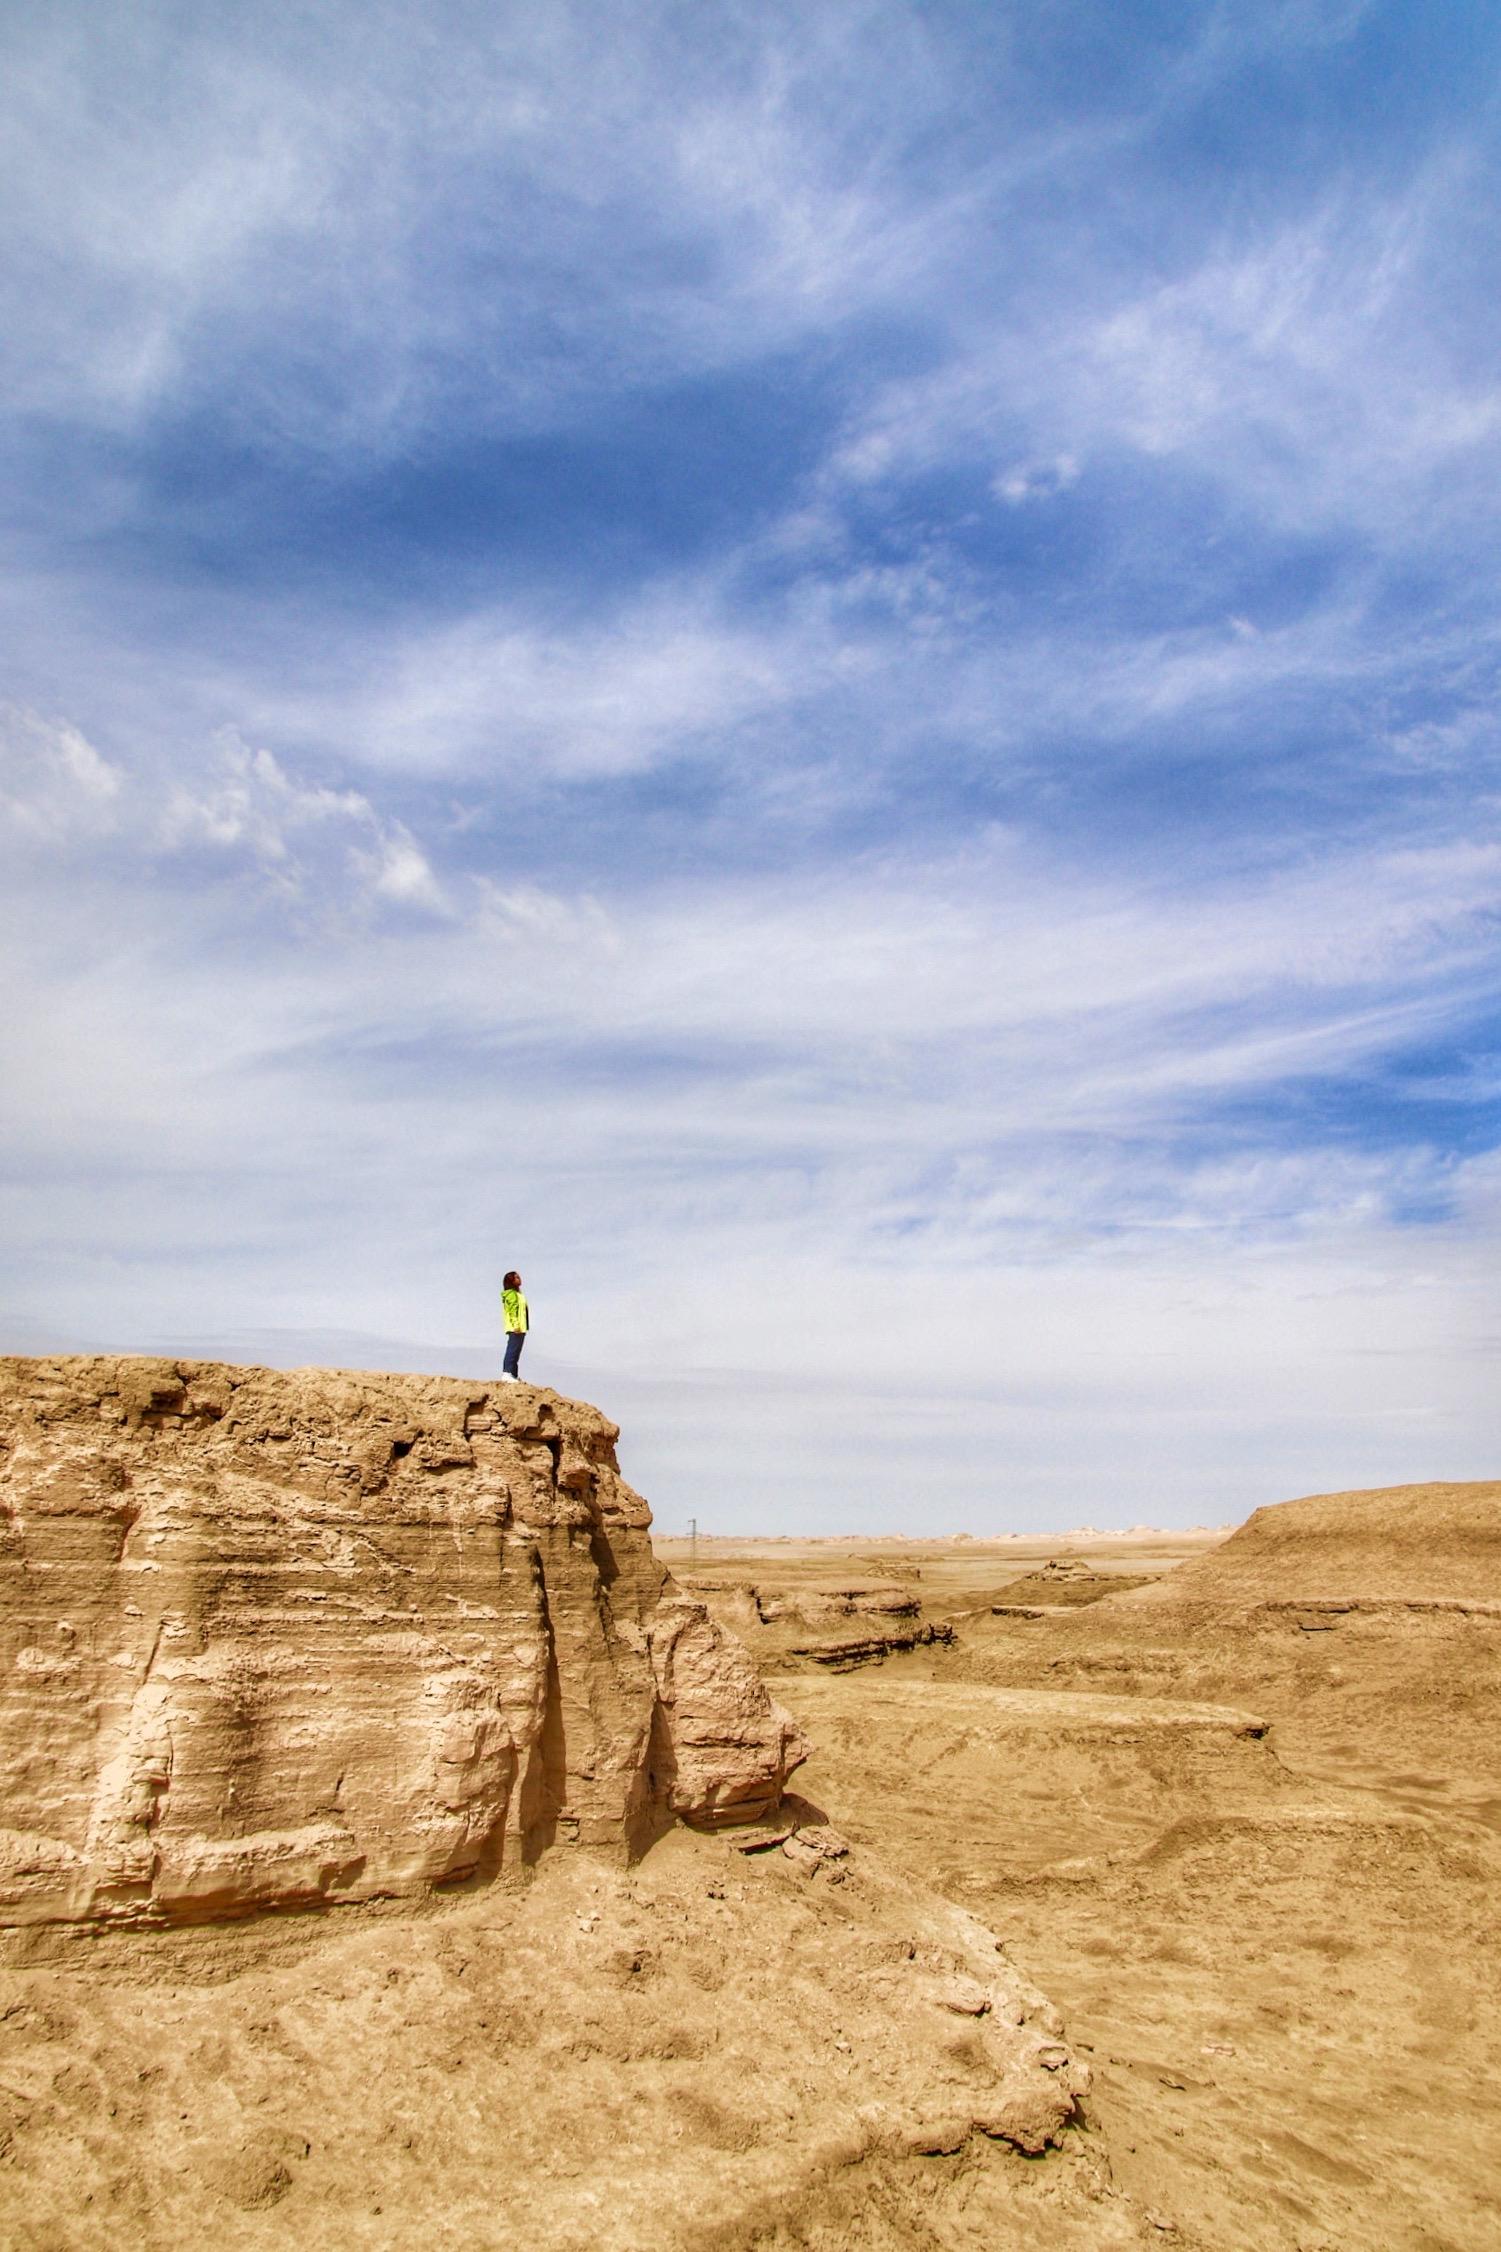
(512, 1281)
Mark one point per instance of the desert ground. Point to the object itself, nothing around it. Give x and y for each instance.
(1240, 1820)
(1137, 1888)
(392, 1854)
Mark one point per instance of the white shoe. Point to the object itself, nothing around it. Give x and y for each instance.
(507, 1378)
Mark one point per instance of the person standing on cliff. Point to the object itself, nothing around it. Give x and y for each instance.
(518, 1321)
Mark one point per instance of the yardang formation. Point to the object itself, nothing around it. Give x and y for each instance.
(276, 1639)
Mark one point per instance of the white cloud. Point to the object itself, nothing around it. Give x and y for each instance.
(823, 691)
(1037, 480)
(1306, 368)
(607, 698)
(580, 202)
(54, 786)
(1312, 367)
(242, 808)
(904, 1012)
(248, 800)
(400, 870)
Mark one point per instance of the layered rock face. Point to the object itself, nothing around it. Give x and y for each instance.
(833, 1622)
(1421, 1544)
(276, 1638)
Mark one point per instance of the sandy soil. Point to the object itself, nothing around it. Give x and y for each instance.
(1250, 1843)
(709, 2050)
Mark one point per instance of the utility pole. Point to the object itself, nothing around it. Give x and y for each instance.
(693, 1544)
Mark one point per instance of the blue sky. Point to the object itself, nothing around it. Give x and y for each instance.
(825, 673)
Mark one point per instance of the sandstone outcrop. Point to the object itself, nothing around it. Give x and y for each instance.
(1063, 1583)
(832, 1621)
(1438, 1543)
(281, 1638)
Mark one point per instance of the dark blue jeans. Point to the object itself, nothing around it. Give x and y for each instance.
(515, 1339)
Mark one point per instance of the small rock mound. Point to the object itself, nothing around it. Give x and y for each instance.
(1064, 1583)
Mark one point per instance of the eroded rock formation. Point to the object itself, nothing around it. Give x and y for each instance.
(274, 1638)
(1413, 1545)
(832, 1621)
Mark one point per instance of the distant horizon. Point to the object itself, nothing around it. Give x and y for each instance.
(969, 1540)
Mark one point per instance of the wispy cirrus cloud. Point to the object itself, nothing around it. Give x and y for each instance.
(536, 210)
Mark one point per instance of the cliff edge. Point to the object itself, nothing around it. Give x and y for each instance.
(276, 1638)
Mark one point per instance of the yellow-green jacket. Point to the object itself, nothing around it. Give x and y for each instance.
(514, 1302)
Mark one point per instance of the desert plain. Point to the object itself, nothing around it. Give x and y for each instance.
(1235, 1803)
(400, 1848)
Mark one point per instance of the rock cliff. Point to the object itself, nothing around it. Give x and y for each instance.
(278, 1638)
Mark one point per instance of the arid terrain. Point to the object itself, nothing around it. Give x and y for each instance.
(393, 1855)
(1242, 1822)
